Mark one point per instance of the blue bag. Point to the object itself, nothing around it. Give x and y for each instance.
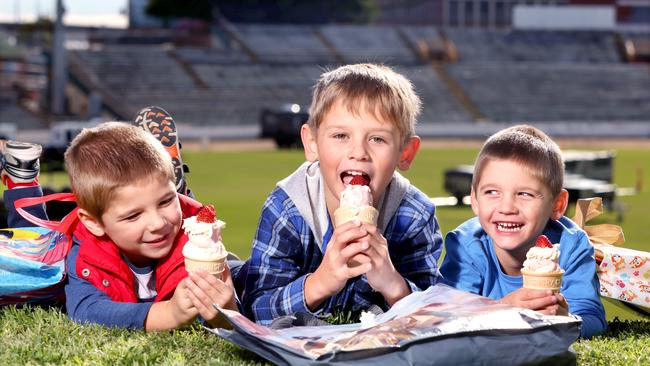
(32, 265)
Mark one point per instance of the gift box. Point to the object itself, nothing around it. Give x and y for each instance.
(624, 273)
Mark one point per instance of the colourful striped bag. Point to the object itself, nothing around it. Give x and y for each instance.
(32, 259)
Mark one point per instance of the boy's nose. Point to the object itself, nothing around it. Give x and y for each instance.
(156, 222)
(507, 205)
(358, 151)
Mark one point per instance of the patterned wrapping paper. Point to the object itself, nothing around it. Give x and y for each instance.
(625, 274)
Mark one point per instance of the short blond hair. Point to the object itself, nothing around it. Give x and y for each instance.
(529, 147)
(109, 156)
(377, 87)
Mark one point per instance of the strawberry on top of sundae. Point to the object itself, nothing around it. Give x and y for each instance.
(543, 257)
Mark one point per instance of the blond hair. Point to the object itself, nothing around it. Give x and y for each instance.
(529, 147)
(377, 87)
(109, 156)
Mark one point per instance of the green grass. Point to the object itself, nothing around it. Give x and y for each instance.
(237, 182)
(46, 337)
(37, 336)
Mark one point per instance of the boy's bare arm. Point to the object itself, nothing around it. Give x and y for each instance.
(332, 274)
(171, 314)
(383, 277)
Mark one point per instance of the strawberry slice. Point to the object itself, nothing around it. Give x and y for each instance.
(543, 242)
(206, 214)
(360, 180)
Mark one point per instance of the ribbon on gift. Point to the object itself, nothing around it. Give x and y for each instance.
(602, 234)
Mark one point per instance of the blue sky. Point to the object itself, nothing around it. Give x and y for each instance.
(81, 12)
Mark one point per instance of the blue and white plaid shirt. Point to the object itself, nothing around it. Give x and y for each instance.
(285, 252)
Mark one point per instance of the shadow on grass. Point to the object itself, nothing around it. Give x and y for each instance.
(624, 328)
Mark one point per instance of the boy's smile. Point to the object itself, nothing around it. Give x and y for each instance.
(349, 144)
(142, 219)
(513, 207)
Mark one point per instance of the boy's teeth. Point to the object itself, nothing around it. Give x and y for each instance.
(507, 226)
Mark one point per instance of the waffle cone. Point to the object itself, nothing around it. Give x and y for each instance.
(543, 281)
(213, 267)
(366, 214)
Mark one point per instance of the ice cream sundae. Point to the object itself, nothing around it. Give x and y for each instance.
(355, 203)
(204, 248)
(541, 270)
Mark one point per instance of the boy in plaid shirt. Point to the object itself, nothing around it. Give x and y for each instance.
(362, 122)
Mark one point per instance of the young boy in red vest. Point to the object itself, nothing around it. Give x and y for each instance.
(125, 267)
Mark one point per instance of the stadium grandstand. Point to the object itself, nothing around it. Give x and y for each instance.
(477, 65)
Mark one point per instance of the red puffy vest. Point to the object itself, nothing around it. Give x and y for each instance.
(100, 262)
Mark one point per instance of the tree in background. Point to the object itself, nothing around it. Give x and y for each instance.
(268, 11)
(167, 9)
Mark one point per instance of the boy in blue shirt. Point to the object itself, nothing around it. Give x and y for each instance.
(517, 195)
(362, 122)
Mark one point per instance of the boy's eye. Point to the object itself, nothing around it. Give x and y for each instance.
(377, 139)
(526, 194)
(490, 192)
(166, 201)
(131, 217)
(339, 136)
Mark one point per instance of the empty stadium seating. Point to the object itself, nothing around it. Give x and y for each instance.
(284, 44)
(481, 45)
(501, 75)
(508, 92)
(366, 43)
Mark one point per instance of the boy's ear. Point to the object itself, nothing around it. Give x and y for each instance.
(309, 143)
(92, 224)
(474, 201)
(560, 205)
(408, 153)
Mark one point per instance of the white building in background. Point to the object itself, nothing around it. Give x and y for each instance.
(501, 13)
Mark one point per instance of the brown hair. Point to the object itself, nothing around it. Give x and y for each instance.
(377, 87)
(111, 155)
(528, 146)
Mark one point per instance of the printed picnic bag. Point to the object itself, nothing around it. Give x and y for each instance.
(32, 259)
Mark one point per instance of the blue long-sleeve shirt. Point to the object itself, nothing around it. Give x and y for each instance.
(285, 252)
(85, 303)
(471, 264)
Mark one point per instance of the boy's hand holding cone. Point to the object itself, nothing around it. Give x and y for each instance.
(356, 204)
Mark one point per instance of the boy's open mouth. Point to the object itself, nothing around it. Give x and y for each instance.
(346, 177)
(509, 226)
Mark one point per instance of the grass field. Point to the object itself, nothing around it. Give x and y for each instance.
(237, 182)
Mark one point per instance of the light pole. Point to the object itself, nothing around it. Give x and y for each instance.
(59, 69)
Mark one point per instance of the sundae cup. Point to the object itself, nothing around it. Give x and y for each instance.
(356, 204)
(204, 249)
(541, 270)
